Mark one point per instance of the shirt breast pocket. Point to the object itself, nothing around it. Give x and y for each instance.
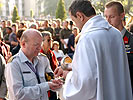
(29, 79)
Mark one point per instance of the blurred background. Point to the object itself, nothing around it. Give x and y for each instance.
(40, 9)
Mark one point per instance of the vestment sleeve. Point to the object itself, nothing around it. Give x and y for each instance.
(81, 82)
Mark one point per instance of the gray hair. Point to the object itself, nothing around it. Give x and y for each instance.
(46, 33)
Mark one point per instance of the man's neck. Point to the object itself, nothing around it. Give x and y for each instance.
(29, 57)
(123, 31)
(120, 27)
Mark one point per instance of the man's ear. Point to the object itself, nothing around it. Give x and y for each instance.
(80, 16)
(22, 43)
(122, 16)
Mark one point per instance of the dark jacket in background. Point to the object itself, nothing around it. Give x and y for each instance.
(128, 41)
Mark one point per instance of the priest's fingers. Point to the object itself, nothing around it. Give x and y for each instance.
(65, 73)
(58, 72)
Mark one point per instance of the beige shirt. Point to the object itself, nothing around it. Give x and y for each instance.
(21, 80)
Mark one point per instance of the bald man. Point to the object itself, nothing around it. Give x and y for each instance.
(25, 71)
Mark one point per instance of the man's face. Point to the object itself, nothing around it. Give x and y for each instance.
(47, 43)
(3, 24)
(8, 23)
(65, 24)
(15, 29)
(8, 31)
(112, 16)
(76, 20)
(33, 46)
(56, 47)
(21, 26)
(75, 32)
(58, 23)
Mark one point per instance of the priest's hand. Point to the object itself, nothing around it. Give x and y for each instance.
(58, 72)
(65, 72)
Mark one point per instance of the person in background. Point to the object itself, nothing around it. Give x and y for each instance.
(4, 49)
(100, 66)
(25, 71)
(115, 14)
(6, 37)
(45, 49)
(3, 28)
(33, 26)
(12, 37)
(3, 87)
(47, 27)
(71, 42)
(57, 31)
(9, 23)
(16, 49)
(21, 25)
(58, 53)
(38, 24)
(64, 36)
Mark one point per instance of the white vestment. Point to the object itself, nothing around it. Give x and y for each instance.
(100, 68)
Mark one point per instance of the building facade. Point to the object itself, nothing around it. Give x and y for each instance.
(24, 7)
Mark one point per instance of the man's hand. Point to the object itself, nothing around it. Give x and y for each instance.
(1, 99)
(55, 84)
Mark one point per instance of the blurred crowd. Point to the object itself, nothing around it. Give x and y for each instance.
(62, 32)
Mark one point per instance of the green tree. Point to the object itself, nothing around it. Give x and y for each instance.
(128, 5)
(15, 15)
(61, 11)
(99, 6)
(31, 13)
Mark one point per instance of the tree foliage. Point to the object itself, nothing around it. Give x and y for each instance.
(128, 5)
(51, 5)
(31, 13)
(15, 15)
(61, 11)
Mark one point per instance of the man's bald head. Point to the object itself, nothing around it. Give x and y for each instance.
(30, 42)
(29, 34)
